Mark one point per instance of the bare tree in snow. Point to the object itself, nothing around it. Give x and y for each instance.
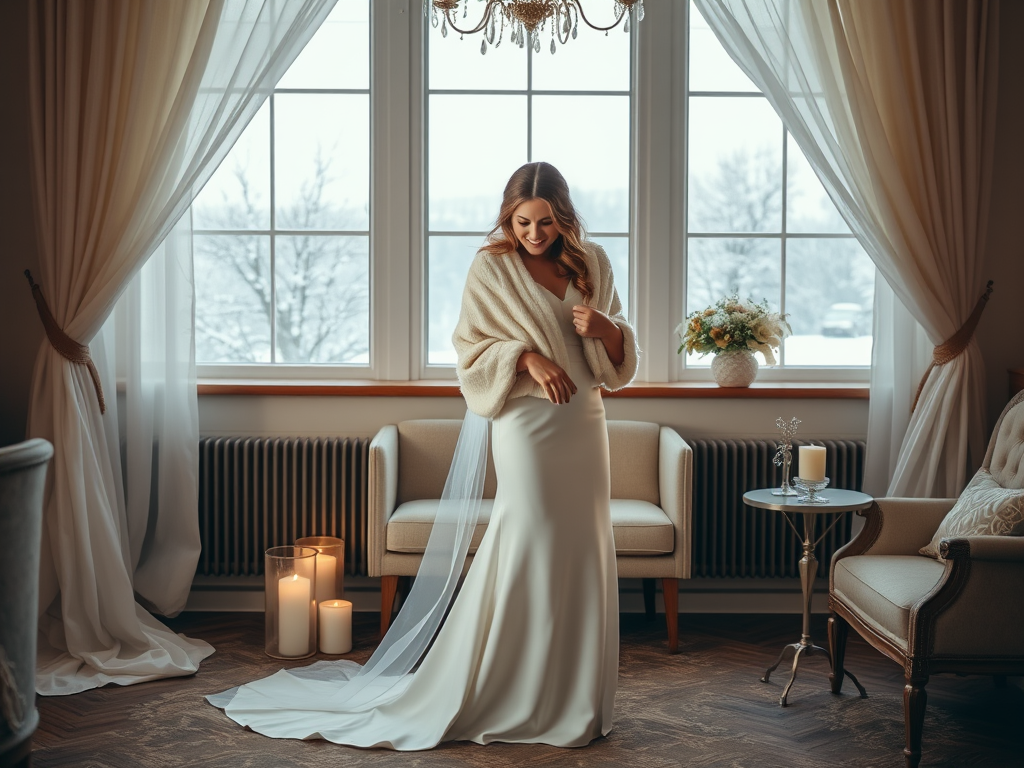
(320, 281)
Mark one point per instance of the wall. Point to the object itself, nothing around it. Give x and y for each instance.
(1001, 330)
(20, 331)
(265, 415)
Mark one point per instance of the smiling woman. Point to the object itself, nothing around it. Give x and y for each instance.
(535, 226)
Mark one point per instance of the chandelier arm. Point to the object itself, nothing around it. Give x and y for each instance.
(579, 9)
(555, 25)
(487, 14)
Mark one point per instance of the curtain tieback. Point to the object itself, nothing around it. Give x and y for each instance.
(67, 347)
(954, 346)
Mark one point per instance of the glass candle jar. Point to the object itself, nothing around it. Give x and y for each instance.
(330, 565)
(290, 599)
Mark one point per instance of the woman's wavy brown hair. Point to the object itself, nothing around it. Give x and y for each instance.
(542, 181)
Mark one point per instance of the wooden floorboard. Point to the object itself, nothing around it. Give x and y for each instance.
(704, 706)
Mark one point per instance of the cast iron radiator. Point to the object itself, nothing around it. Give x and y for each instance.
(262, 492)
(257, 493)
(732, 540)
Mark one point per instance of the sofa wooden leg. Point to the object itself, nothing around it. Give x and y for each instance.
(648, 585)
(915, 699)
(838, 630)
(670, 593)
(388, 589)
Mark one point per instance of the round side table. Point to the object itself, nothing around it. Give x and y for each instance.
(833, 500)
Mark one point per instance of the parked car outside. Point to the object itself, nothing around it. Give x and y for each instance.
(846, 319)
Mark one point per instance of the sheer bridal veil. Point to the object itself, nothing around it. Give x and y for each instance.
(285, 704)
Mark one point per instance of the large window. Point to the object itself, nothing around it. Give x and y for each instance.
(281, 238)
(335, 238)
(489, 114)
(759, 223)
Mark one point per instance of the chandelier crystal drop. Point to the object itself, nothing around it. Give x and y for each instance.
(527, 20)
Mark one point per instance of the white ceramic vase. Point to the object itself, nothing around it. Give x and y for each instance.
(737, 368)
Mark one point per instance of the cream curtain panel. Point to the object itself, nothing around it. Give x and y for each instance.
(893, 103)
(133, 105)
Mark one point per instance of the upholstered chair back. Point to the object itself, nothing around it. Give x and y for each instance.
(425, 451)
(426, 447)
(1005, 455)
(633, 446)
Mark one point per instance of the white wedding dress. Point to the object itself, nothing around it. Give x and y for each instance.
(529, 650)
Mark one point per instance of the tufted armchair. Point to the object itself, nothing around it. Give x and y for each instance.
(960, 613)
(651, 482)
(22, 478)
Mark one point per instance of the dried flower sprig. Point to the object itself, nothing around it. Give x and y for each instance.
(785, 446)
(732, 325)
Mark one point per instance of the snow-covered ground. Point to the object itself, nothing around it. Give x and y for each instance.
(816, 351)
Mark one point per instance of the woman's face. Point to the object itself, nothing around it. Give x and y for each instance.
(535, 226)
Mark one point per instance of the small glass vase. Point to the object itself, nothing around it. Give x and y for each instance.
(736, 368)
(289, 583)
(786, 489)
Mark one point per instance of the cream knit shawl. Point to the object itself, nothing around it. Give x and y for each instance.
(504, 313)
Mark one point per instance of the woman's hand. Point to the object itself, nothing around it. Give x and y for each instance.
(555, 382)
(594, 324)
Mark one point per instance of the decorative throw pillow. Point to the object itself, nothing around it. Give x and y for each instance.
(985, 508)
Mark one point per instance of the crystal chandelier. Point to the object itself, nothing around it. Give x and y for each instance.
(526, 18)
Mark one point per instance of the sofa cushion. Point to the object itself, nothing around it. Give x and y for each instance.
(639, 527)
(882, 589)
(984, 508)
(410, 524)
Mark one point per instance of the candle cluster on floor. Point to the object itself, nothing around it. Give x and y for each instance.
(304, 606)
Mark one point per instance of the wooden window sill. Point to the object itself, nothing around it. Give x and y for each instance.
(431, 388)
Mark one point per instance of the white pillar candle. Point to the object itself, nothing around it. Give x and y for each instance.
(326, 573)
(812, 462)
(293, 596)
(336, 626)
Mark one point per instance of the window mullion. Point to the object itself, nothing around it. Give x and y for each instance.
(391, 188)
(273, 239)
(658, 169)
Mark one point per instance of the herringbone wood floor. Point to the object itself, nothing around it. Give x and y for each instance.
(702, 707)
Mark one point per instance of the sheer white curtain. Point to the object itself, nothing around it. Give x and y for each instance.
(133, 105)
(893, 104)
(159, 422)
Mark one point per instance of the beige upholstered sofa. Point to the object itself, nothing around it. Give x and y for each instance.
(962, 614)
(651, 478)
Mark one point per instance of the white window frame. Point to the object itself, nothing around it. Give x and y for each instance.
(313, 371)
(398, 195)
(420, 341)
(784, 373)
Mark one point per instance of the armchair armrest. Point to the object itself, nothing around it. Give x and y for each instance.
(382, 494)
(972, 611)
(675, 489)
(988, 548)
(897, 526)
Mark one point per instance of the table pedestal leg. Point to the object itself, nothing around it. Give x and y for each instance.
(799, 649)
(808, 568)
(806, 646)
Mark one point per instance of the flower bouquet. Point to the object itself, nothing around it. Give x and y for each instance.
(732, 325)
